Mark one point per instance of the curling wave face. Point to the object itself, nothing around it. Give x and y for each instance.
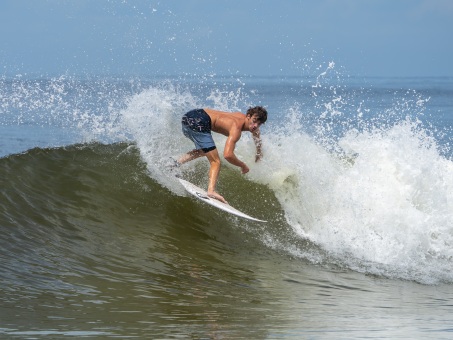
(369, 194)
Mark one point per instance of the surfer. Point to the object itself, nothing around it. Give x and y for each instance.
(197, 126)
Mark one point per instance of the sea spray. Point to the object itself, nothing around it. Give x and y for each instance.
(383, 205)
(374, 192)
(87, 109)
(393, 203)
(363, 177)
(153, 120)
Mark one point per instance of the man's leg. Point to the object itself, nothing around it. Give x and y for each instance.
(214, 170)
(190, 156)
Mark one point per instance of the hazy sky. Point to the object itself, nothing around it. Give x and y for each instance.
(219, 37)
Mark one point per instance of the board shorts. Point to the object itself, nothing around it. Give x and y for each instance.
(196, 125)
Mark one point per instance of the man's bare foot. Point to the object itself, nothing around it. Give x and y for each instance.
(217, 197)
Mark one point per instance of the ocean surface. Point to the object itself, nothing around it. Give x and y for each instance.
(98, 239)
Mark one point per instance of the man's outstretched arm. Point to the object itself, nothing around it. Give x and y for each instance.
(258, 144)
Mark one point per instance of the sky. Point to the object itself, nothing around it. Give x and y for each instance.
(389, 38)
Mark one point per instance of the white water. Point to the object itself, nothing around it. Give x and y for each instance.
(384, 206)
(387, 209)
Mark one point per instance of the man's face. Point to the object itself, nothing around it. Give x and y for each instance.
(254, 123)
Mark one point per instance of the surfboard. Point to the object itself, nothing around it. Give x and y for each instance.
(203, 196)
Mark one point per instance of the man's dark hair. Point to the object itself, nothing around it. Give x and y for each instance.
(259, 111)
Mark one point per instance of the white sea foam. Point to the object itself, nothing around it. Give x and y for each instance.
(153, 120)
(386, 208)
(376, 195)
(382, 205)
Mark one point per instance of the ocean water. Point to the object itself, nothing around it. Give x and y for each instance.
(99, 241)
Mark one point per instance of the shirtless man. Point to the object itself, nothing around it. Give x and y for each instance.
(197, 125)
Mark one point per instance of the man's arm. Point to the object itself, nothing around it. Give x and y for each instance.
(228, 153)
(258, 143)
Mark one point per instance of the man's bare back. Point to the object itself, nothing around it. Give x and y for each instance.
(224, 122)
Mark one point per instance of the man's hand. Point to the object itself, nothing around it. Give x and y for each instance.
(258, 157)
(244, 168)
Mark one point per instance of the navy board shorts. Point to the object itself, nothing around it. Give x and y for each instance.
(196, 125)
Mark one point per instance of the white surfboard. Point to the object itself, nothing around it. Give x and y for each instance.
(203, 196)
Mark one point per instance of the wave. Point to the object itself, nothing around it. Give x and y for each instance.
(375, 198)
(86, 209)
